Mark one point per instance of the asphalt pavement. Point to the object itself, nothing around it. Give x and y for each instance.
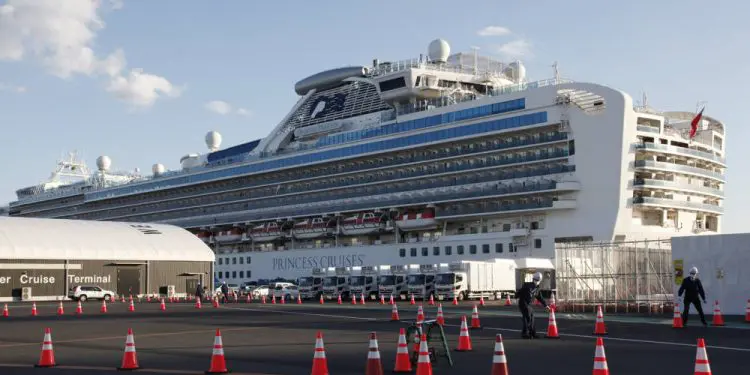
(279, 340)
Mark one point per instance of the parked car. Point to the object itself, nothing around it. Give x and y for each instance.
(289, 292)
(86, 292)
(261, 291)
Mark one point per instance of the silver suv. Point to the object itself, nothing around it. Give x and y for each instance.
(86, 292)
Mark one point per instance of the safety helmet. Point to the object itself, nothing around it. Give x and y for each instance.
(537, 277)
(694, 271)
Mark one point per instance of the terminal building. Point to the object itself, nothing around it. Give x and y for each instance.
(41, 259)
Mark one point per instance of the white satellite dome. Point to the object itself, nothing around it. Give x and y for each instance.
(213, 140)
(158, 169)
(439, 50)
(516, 71)
(103, 163)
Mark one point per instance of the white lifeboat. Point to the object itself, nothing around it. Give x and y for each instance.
(204, 236)
(312, 228)
(417, 220)
(232, 235)
(266, 232)
(362, 223)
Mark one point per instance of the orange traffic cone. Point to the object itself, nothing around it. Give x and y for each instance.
(197, 303)
(103, 309)
(676, 317)
(440, 320)
(283, 300)
(215, 302)
(163, 306)
(412, 302)
(218, 362)
(60, 310)
(499, 361)
(424, 366)
(464, 341)
(600, 328)
(432, 300)
(299, 299)
(507, 300)
(600, 358)
(718, 317)
(79, 308)
(455, 301)
(320, 363)
(131, 307)
(33, 309)
(362, 299)
(248, 299)
(391, 301)
(481, 301)
(403, 363)
(382, 299)
(552, 327)
(321, 299)
(263, 299)
(420, 315)
(273, 299)
(747, 312)
(552, 302)
(702, 364)
(354, 299)
(394, 313)
(5, 311)
(148, 298)
(129, 360)
(122, 298)
(374, 366)
(475, 319)
(339, 300)
(47, 359)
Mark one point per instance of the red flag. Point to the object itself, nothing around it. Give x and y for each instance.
(694, 123)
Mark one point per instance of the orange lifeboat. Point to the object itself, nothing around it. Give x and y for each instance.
(266, 232)
(417, 220)
(312, 228)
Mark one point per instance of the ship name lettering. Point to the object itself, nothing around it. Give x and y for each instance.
(324, 261)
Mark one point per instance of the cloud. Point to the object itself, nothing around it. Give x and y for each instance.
(12, 88)
(515, 49)
(60, 36)
(494, 31)
(223, 108)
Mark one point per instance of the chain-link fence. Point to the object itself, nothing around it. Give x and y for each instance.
(621, 276)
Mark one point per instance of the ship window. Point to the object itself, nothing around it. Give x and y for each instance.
(413, 251)
(219, 273)
(534, 225)
(460, 250)
(538, 243)
(248, 274)
(511, 249)
(221, 261)
(234, 260)
(498, 248)
(234, 274)
(425, 251)
(242, 274)
(486, 249)
(436, 251)
(472, 249)
(448, 250)
(248, 260)
(242, 261)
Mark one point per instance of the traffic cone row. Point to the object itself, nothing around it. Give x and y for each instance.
(600, 328)
(464, 341)
(475, 319)
(440, 318)
(420, 315)
(394, 313)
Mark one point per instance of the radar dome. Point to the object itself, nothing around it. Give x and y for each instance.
(158, 169)
(517, 71)
(213, 140)
(103, 163)
(439, 50)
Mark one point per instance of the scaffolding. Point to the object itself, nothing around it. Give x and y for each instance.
(631, 276)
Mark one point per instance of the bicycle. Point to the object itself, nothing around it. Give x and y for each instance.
(413, 334)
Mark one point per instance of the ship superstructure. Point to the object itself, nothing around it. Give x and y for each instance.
(441, 158)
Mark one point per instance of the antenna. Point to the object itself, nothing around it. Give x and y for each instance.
(645, 100)
(556, 72)
(476, 59)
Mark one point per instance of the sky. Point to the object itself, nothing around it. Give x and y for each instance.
(143, 81)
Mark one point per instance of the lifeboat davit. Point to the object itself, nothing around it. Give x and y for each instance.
(266, 232)
(362, 223)
(417, 220)
(312, 228)
(204, 236)
(232, 235)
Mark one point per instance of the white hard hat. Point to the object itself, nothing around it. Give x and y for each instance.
(694, 271)
(537, 276)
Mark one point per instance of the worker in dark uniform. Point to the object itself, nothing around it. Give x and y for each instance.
(526, 295)
(693, 289)
(199, 292)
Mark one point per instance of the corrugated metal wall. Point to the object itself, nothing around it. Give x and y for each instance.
(49, 279)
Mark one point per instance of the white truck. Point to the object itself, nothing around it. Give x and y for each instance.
(392, 281)
(474, 279)
(336, 283)
(422, 282)
(364, 281)
(311, 287)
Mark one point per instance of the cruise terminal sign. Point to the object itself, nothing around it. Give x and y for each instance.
(47, 279)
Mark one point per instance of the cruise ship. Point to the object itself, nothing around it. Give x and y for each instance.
(444, 157)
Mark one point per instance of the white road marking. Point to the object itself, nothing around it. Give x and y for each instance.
(607, 338)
